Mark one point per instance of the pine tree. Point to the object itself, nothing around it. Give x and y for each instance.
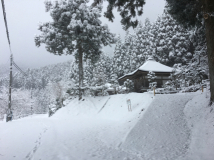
(128, 10)
(143, 42)
(172, 41)
(76, 29)
(193, 13)
(130, 63)
(117, 59)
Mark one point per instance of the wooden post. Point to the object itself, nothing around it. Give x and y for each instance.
(154, 91)
(206, 90)
(129, 105)
(202, 88)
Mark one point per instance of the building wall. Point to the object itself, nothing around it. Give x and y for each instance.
(142, 83)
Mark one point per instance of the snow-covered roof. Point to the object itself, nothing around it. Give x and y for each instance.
(151, 65)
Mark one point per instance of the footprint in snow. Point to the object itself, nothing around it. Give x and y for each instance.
(35, 148)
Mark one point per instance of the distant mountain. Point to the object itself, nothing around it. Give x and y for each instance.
(39, 77)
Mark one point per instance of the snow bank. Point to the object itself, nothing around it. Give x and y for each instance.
(177, 126)
(117, 107)
(162, 133)
(200, 117)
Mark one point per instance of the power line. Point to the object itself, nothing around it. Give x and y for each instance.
(8, 37)
(15, 76)
(17, 67)
(5, 21)
(9, 111)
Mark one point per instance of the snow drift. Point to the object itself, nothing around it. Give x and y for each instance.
(178, 126)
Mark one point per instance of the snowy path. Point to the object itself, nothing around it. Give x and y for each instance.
(20, 139)
(82, 143)
(75, 132)
(55, 141)
(156, 129)
(162, 133)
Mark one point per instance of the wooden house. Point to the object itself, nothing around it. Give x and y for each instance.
(140, 78)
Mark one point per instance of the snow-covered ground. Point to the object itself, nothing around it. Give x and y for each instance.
(177, 126)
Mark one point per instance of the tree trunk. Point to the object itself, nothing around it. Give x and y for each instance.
(80, 72)
(208, 6)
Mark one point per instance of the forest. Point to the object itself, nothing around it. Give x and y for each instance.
(165, 40)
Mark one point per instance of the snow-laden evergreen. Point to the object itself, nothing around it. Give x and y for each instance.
(169, 43)
(56, 124)
(171, 40)
(76, 29)
(164, 39)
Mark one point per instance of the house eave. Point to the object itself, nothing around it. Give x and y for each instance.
(142, 71)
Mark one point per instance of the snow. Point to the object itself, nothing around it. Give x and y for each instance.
(177, 126)
(151, 65)
(164, 129)
(201, 121)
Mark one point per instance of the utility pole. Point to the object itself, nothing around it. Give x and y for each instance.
(9, 112)
(31, 103)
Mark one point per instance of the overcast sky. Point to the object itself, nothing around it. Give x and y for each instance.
(23, 17)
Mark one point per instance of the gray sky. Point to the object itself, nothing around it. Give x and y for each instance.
(23, 17)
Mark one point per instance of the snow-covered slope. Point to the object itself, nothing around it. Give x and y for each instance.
(200, 118)
(162, 133)
(102, 128)
(89, 129)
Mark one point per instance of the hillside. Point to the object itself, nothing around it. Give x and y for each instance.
(178, 126)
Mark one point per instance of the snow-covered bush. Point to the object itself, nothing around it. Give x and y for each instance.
(169, 86)
(42, 101)
(74, 91)
(152, 85)
(103, 91)
(129, 85)
(192, 88)
(151, 76)
(114, 83)
(175, 79)
(188, 77)
(3, 101)
(22, 103)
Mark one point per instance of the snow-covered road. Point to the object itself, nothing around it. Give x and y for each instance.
(155, 129)
(76, 132)
(162, 133)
